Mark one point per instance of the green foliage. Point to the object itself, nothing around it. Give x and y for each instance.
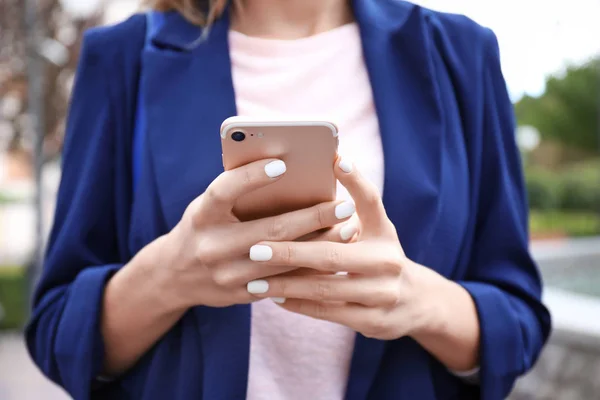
(568, 110)
(543, 190)
(571, 224)
(576, 194)
(565, 202)
(574, 189)
(580, 187)
(13, 297)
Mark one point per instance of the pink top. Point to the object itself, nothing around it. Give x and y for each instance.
(322, 76)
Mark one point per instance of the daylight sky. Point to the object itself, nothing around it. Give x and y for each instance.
(537, 37)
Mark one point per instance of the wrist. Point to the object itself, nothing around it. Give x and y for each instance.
(431, 291)
(450, 328)
(154, 263)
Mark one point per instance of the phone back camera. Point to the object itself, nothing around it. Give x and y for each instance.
(238, 136)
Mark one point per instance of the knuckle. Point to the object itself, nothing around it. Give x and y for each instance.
(281, 287)
(193, 214)
(223, 277)
(319, 216)
(277, 229)
(388, 297)
(372, 198)
(247, 177)
(320, 311)
(205, 254)
(391, 264)
(334, 259)
(288, 254)
(195, 206)
(322, 291)
(376, 327)
(215, 195)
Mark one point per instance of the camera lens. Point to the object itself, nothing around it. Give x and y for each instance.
(238, 136)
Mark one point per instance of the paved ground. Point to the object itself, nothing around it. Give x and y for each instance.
(19, 378)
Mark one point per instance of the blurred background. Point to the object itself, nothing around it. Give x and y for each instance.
(551, 60)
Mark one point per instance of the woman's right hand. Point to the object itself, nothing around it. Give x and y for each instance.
(204, 260)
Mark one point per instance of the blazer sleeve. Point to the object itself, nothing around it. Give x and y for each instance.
(63, 334)
(502, 277)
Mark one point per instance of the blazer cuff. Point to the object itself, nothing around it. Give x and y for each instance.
(500, 341)
(79, 343)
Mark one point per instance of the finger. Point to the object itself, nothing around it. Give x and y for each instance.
(351, 315)
(240, 271)
(221, 194)
(373, 258)
(369, 291)
(341, 233)
(296, 224)
(366, 195)
(237, 238)
(239, 295)
(304, 271)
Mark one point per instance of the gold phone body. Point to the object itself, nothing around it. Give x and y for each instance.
(309, 150)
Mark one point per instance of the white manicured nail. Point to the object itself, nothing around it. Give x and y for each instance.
(275, 168)
(258, 287)
(346, 165)
(348, 231)
(260, 252)
(344, 210)
(278, 300)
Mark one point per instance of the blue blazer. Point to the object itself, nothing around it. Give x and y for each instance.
(453, 188)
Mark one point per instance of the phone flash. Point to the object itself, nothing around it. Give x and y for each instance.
(260, 134)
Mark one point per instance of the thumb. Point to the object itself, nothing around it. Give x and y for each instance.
(367, 198)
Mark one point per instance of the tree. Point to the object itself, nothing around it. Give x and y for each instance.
(569, 109)
(63, 33)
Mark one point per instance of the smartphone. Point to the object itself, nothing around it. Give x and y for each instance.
(309, 150)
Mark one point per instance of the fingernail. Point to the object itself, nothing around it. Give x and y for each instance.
(345, 165)
(278, 300)
(260, 252)
(275, 168)
(344, 210)
(348, 231)
(258, 287)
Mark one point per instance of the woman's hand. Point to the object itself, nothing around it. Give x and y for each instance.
(381, 294)
(204, 259)
(376, 297)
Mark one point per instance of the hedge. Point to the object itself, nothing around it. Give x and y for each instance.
(567, 223)
(13, 297)
(574, 189)
(544, 190)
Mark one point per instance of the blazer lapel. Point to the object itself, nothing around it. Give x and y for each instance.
(397, 55)
(396, 48)
(188, 92)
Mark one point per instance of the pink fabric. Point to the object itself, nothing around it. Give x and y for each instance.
(322, 76)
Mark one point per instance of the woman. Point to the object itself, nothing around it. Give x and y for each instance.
(151, 288)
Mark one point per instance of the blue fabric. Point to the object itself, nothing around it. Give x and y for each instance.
(453, 188)
(153, 23)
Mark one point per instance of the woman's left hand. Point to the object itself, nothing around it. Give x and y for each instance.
(381, 294)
